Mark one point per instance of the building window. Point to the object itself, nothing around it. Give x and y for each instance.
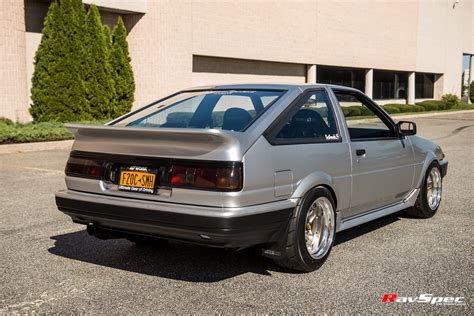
(424, 85)
(390, 85)
(349, 77)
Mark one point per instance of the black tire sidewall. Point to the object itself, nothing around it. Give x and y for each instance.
(309, 262)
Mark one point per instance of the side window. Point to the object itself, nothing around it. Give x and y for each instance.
(361, 120)
(311, 121)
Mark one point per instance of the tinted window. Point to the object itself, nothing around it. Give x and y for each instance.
(390, 85)
(361, 120)
(226, 109)
(424, 85)
(349, 77)
(313, 119)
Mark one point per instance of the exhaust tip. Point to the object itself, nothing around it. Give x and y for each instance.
(95, 231)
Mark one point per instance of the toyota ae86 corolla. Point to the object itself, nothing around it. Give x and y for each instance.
(283, 167)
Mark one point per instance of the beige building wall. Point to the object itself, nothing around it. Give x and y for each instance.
(367, 34)
(13, 77)
(178, 44)
(444, 32)
(124, 6)
(405, 35)
(215, 70)
(160, 45)
(281, 31)
(35, 11)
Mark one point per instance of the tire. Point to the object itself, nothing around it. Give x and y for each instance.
(425, 207)
(297, 255)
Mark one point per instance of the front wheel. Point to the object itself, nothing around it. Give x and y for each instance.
(311, 232)
(429, 198)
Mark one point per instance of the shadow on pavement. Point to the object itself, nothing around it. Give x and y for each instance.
(168, 260)
(366, 228)
(181, 261)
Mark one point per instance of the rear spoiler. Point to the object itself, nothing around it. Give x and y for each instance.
(202, 144)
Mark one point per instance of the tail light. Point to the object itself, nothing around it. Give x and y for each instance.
(225, 178)
(85, 167)
(221, 176)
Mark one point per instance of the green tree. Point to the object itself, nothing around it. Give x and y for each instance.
(99, 83)
(58, 88)
(122, 70)
(471, 92)
(108, 36)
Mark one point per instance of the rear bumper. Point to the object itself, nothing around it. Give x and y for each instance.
(221, 227)
(443, 166)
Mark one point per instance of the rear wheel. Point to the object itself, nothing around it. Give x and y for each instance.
(429, 198)
(311, 232)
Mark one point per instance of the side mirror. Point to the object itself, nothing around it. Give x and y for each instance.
(406, 128)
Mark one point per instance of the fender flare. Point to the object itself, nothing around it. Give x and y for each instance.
(317, 178)
(429, 159)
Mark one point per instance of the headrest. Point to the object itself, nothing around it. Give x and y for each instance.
(236, 119)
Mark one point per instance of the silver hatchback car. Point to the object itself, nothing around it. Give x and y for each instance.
(284, 167)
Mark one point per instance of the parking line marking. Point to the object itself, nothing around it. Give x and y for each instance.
(44, 170)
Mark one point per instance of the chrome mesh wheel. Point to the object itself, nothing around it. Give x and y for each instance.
(433, 188)
(319, 227)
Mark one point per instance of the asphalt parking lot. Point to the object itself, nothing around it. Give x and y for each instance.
(49, 264)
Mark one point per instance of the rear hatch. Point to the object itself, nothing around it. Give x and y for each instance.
(178, 165)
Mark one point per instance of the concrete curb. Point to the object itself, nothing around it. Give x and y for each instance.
(66, 144)
(26, 147)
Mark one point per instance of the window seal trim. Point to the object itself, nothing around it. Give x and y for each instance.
(357, 140)
(277, 124)
(372, 105)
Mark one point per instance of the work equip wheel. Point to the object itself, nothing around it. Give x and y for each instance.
(311, 232)
(429, 197)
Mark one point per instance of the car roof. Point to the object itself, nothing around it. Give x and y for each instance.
(271, 86)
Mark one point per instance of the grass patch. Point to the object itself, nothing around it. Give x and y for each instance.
(462, 106)
(458, 107)
(404, 109)
(11, 132)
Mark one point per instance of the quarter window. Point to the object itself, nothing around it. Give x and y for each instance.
(312, 120)
(362, 121)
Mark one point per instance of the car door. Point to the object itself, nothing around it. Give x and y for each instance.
(382, 162)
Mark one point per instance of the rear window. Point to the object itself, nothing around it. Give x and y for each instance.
(224, 109)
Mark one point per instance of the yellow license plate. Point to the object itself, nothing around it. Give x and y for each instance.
(137, 179)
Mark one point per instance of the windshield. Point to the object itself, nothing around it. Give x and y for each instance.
(224, 109)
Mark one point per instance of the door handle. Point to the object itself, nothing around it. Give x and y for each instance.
(360, 152)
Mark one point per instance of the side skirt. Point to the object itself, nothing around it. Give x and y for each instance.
(409, 201)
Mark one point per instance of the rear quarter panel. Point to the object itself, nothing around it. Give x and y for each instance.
(277, 172)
